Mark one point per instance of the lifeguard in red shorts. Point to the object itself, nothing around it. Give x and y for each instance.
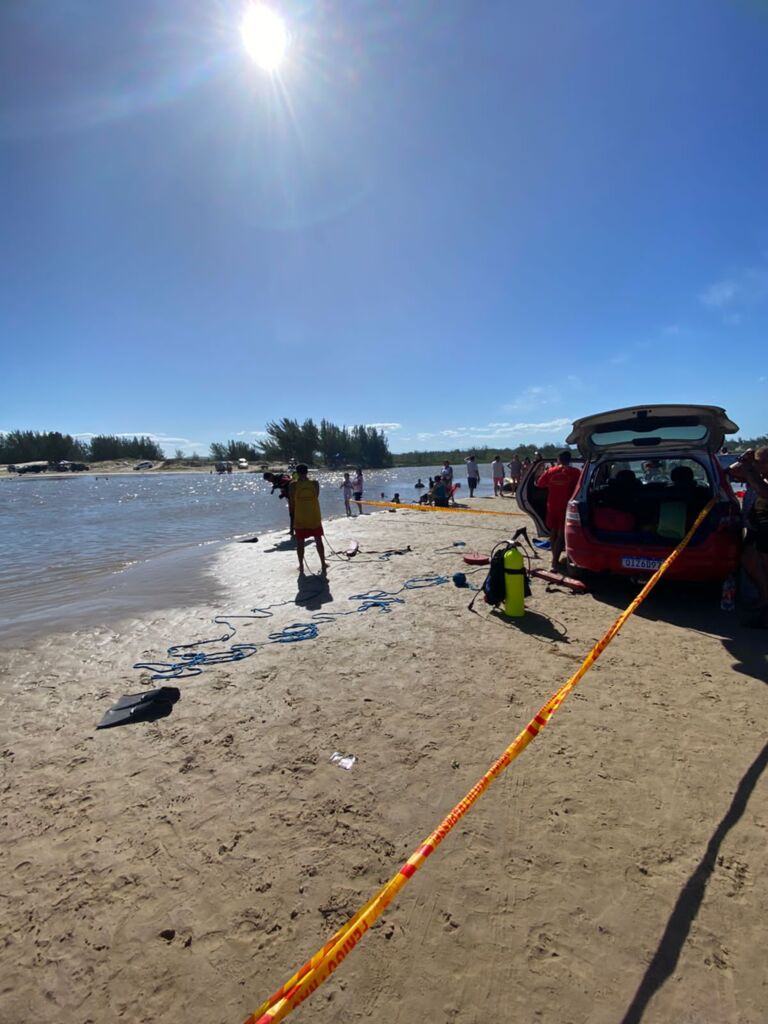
(304, 496)
(560, 483)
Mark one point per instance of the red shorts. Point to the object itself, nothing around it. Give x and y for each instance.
(309, 531)
(555, 518)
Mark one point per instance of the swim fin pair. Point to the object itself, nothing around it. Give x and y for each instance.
(141, 707)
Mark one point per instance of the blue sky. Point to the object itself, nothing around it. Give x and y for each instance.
(470, 221)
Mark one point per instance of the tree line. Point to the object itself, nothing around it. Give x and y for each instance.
(53, 446)
(531, 451)
(287, 440)
(483, 455)
(328, 445)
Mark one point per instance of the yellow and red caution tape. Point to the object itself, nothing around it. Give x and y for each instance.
(320, 967)
(443, 508)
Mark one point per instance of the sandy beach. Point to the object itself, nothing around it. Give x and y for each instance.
(183, 870)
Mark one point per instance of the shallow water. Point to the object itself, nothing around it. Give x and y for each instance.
(86, 548)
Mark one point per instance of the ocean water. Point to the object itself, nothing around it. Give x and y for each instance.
(82, 548)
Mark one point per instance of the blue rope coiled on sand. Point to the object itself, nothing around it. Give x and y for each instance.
(189, 661)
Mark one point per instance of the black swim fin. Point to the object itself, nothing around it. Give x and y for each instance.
(141, 707)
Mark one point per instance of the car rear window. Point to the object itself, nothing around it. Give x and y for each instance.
(681, 432)
(651, 471)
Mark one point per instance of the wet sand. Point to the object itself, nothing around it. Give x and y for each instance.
(182, 870)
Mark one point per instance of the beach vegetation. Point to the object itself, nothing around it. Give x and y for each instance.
(53, 446)
(327, 445)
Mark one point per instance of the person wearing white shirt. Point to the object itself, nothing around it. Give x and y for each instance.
(497, 472)
(473, 474)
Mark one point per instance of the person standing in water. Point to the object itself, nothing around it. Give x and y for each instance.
(304, 495)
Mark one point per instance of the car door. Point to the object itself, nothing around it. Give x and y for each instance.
(532, 499)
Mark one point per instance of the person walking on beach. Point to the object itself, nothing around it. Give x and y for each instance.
(304, 495)
(473, 474)
(559, 482)
(497, 472)
(346, 490)
(357, 489)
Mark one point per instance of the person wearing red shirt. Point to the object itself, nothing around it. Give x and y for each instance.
(559, 482)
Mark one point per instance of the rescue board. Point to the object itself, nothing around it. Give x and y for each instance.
(475, 558)
(562, 581)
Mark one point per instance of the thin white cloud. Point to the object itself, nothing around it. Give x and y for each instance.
(497, 431)
(745, 287)
(388, 427)
(533, 397)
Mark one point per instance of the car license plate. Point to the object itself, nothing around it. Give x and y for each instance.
(649, 564)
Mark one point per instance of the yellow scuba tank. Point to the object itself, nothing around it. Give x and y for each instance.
(514, 583)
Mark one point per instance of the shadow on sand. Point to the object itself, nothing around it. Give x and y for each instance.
(313, 592)
(289, 544)
(535, 624)
(691, 897)
(695, 607)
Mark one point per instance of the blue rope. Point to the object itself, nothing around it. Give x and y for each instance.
(189, 660)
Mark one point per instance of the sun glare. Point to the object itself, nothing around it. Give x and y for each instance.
(265, 36)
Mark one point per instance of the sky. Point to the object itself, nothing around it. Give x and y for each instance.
(469, 221)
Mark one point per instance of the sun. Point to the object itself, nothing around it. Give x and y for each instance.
(264, 36)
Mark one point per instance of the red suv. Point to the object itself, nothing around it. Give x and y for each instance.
(647, 473)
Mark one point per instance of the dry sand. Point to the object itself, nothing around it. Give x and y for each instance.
(182, 870)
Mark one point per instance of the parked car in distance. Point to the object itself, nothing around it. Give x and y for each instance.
(65, 466)
(647, 473)
(143, 465)
(242, 463)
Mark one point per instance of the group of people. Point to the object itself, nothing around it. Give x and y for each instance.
(514, 470)
(352, 489)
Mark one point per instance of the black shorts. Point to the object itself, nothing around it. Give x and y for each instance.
(473, 481)
(357, 495)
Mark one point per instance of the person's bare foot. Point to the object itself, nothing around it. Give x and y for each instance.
(324, 568)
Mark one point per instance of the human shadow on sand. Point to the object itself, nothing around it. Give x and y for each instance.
(313, 592)
(696, 607)
(691, 897)
(289, 544)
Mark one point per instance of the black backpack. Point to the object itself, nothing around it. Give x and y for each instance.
(494, 590)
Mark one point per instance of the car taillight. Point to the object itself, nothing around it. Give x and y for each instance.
(573, 512)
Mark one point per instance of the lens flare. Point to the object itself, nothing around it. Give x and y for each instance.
(264, 36)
